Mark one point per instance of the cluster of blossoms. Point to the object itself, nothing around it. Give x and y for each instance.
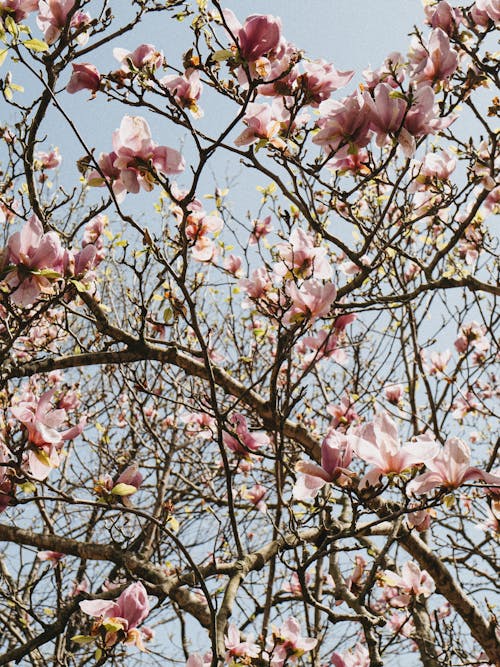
(377, 443)
(34, 262)
(118, 620)
(52, 17)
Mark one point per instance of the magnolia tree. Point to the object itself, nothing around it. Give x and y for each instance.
(246, 426)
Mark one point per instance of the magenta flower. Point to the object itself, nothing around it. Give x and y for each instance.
(6, 485)
(336, 455)
(378, 443)
(258, 36)
(35, 261)
(450, 469)
(310, 301)
(287, 644)
(246, 442)
(85, 76)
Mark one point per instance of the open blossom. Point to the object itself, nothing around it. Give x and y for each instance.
(344, 124)
(48, 159)
(120, 618)
(239, 649)
(263, 122)
(422, 119)
(287, 644)
(435, 167)
(439, 361)
(6, 485)
(436, 62)
(261, 228)
(256, 495)
(358, 656)
(18, 9)
(310, 301)
(134, 159)
(294, 586)
(258, 36)
(245, 442)
(186, 90)
(52, 18)
(34, 262)
(484, 11)
(443, 16)
(343, 414)
(85, 76)
(53, 556)
(394, 393)
(378, 443)
(196, 660)
(144, 56)
(450, 469)
(258, 284)
(386, 112)
(42, 423)
(412, 583)
(301, 258)
(320, 79)
(336, 456)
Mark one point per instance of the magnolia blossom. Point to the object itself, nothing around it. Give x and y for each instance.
(450, 468)
(336, 455)
(261, 228)
(120, 618)
(134, 160)
(256, 495)
(343, 414)
(52, 18)
(48, 159)
(19, 9)
(437, 61)
(485, 11)
(186, 90)
(196, 660)
(258, 36)
(301, 258)
(287, 644)
(144, 56)
(6, 485)
(413, 582)
(358, 656)
(85, 76)
(294, 586)
(443, 16)
(394, 393)
(246, 442)
(34, 262)
(42, 423)
(320, 79)
(236, 648)
(344, 124)
(263, 123)
(310, 301)
(53, 556)
(378, 443)
(435, 167)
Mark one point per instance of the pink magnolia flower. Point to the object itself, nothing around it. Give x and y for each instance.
(42, 422)
(53, 556)
(6, 485)
(246, 442)
(199, 425)
(256, 495)
(422, 119)
(48, 159)
(320, 79)
(439, 361)
(310, 301)
(294, 586)
(258, 284)
(263, 123)
(135, 154)
(378, 443)
(394, 393)
(18, 9)
(92, 235)
(186, 90)
(144, 56)
(122, 616)
(261, 228)
(342, 414)
(232, 264)
(435, 167)
(258, 36)
(358, 656)
(301, 258)
(484, 11)
(443, 16)
(437, 62)
(52, 17)
(196, 660)
(413, 582)
(386, 111)
(287, 644)
(450, 469)
(35, 261)
(344, 124)
(336, 456)
(237, 648)
(85, 76)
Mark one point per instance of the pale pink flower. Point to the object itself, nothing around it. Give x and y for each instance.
(263, 123)
(378, 443)
(443, 16)
(256, 495)
(439, 361)
(236, 648)
(52, 17)
(245, 442)
(85, 76)
(258, 284)
(258, 36)
(287, 643)
(336, 456)
(439, 60)
(344, 124)
(358, 656)
(484, 11)
(386, 112)
(294, 586)
(463, 405)
(196, 660)
(412, 583)
(342, 414)
(18, 9)
(422, 119)
(394, 393)
(261, 228)
(48, 159)
(35, 261)
(53, 556)
(309, 302)
(301, 258)
(232, 264)
(435, 167)
(320, 79)
(449, 469)
(144, 56)
(128, 611)
(186, 90)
